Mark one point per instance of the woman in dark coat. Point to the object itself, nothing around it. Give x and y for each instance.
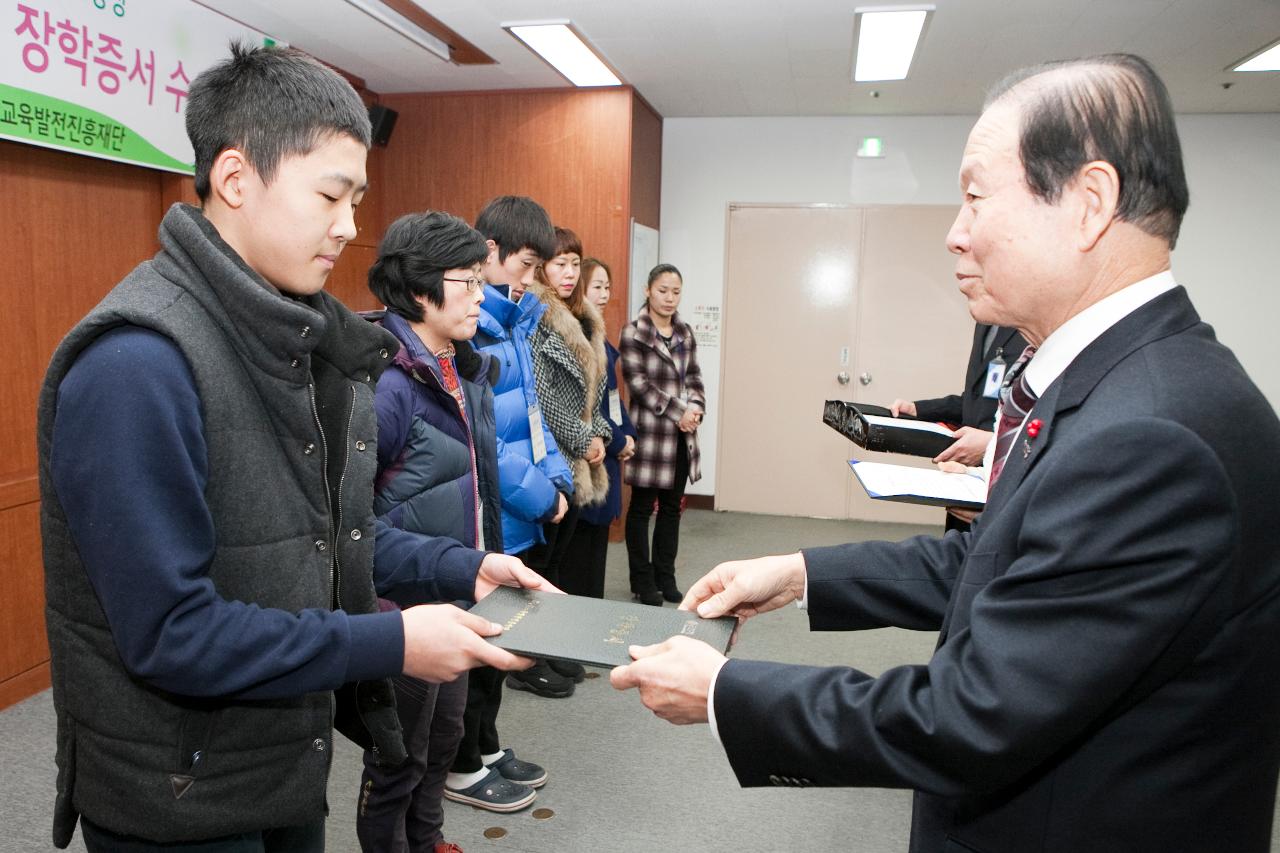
(660, 367)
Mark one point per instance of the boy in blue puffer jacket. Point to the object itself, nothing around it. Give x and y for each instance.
(534, 479)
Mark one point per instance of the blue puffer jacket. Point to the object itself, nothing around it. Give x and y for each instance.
(529, 490)
(437, 472)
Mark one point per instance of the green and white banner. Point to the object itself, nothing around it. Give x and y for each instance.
(108, 78)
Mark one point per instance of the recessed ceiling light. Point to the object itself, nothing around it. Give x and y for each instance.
(1266, 60)
(398, 23)
(565, 50)
(886, 40)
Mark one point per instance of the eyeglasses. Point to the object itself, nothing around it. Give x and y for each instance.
(473, 284)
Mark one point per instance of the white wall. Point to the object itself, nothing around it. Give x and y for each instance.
(1233, 167)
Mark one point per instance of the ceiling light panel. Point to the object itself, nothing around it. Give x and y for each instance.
(1268, 60)
(398, 23)
(561, 46)
(887, 40)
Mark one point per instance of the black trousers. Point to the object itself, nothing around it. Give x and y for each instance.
(479, 719)
(650, 570)
(582, 572)
(401, 809)
(548, 558)
(308, 838)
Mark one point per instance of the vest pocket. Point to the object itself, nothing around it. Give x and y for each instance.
(195, 735)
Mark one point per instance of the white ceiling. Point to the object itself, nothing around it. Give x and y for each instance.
(793, 57)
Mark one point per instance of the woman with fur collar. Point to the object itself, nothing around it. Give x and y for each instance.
(569, 366)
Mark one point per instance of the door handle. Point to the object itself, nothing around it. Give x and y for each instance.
(843, 377)
(865, 378)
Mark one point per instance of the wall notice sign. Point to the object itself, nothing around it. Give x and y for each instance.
(108, 78)
(705, 321)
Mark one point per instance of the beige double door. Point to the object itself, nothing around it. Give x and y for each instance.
(824, 303)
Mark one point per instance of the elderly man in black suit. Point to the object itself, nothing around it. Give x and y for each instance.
(1106, 676)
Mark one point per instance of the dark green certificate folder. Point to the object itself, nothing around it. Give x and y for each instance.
(591, 631)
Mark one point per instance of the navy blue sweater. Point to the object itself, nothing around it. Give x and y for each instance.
(129, 464)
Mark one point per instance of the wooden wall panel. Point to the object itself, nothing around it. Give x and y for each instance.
(349, 279)
(567, 149)
(646, 163)
(22, 638)
(646, 190)
(83, 225)
(78, 225)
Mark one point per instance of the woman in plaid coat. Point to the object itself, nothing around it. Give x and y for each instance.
(660, 367)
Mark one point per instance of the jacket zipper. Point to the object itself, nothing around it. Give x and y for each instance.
(342, 477)
(328, 503)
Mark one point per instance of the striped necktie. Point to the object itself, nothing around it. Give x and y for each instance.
(1016, 401)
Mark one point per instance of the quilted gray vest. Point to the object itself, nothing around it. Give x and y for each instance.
(286, 388)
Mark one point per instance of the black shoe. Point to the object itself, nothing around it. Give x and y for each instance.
(652, 597)
(672, 593)
(570, 670)
(541, 680)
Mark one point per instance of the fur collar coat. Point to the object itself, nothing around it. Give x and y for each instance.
(569, 366)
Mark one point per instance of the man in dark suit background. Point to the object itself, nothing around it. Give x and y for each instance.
(972, 412)
(1105, 677)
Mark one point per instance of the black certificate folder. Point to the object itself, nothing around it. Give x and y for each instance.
(885, 433)
(592, 631)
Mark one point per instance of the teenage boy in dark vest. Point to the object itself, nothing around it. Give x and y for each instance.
(207, 449)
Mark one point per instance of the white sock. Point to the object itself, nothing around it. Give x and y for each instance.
(458, 781)
(489, 759)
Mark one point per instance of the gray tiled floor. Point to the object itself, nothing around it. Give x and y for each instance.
(621, 780)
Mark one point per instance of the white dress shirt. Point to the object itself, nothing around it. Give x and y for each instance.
(1070, 339)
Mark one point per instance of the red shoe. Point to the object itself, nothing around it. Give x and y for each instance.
(447, 847)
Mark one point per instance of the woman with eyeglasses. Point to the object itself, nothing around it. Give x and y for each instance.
(569, 370)
(660, 367)
(437, 475)
(589, 547)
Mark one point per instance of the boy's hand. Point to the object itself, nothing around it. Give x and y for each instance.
(441, 642)
(504, 570)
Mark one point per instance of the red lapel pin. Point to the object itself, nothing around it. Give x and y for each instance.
(1033, 428)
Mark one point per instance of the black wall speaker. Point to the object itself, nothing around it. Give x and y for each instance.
(383, 121)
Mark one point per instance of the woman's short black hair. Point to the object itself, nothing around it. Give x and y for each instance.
(413, 256)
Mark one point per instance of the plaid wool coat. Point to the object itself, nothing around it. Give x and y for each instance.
(657, 378)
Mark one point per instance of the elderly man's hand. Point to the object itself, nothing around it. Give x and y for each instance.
(673, 677)
(744, 588)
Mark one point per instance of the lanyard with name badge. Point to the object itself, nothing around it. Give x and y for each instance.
(995, 376)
